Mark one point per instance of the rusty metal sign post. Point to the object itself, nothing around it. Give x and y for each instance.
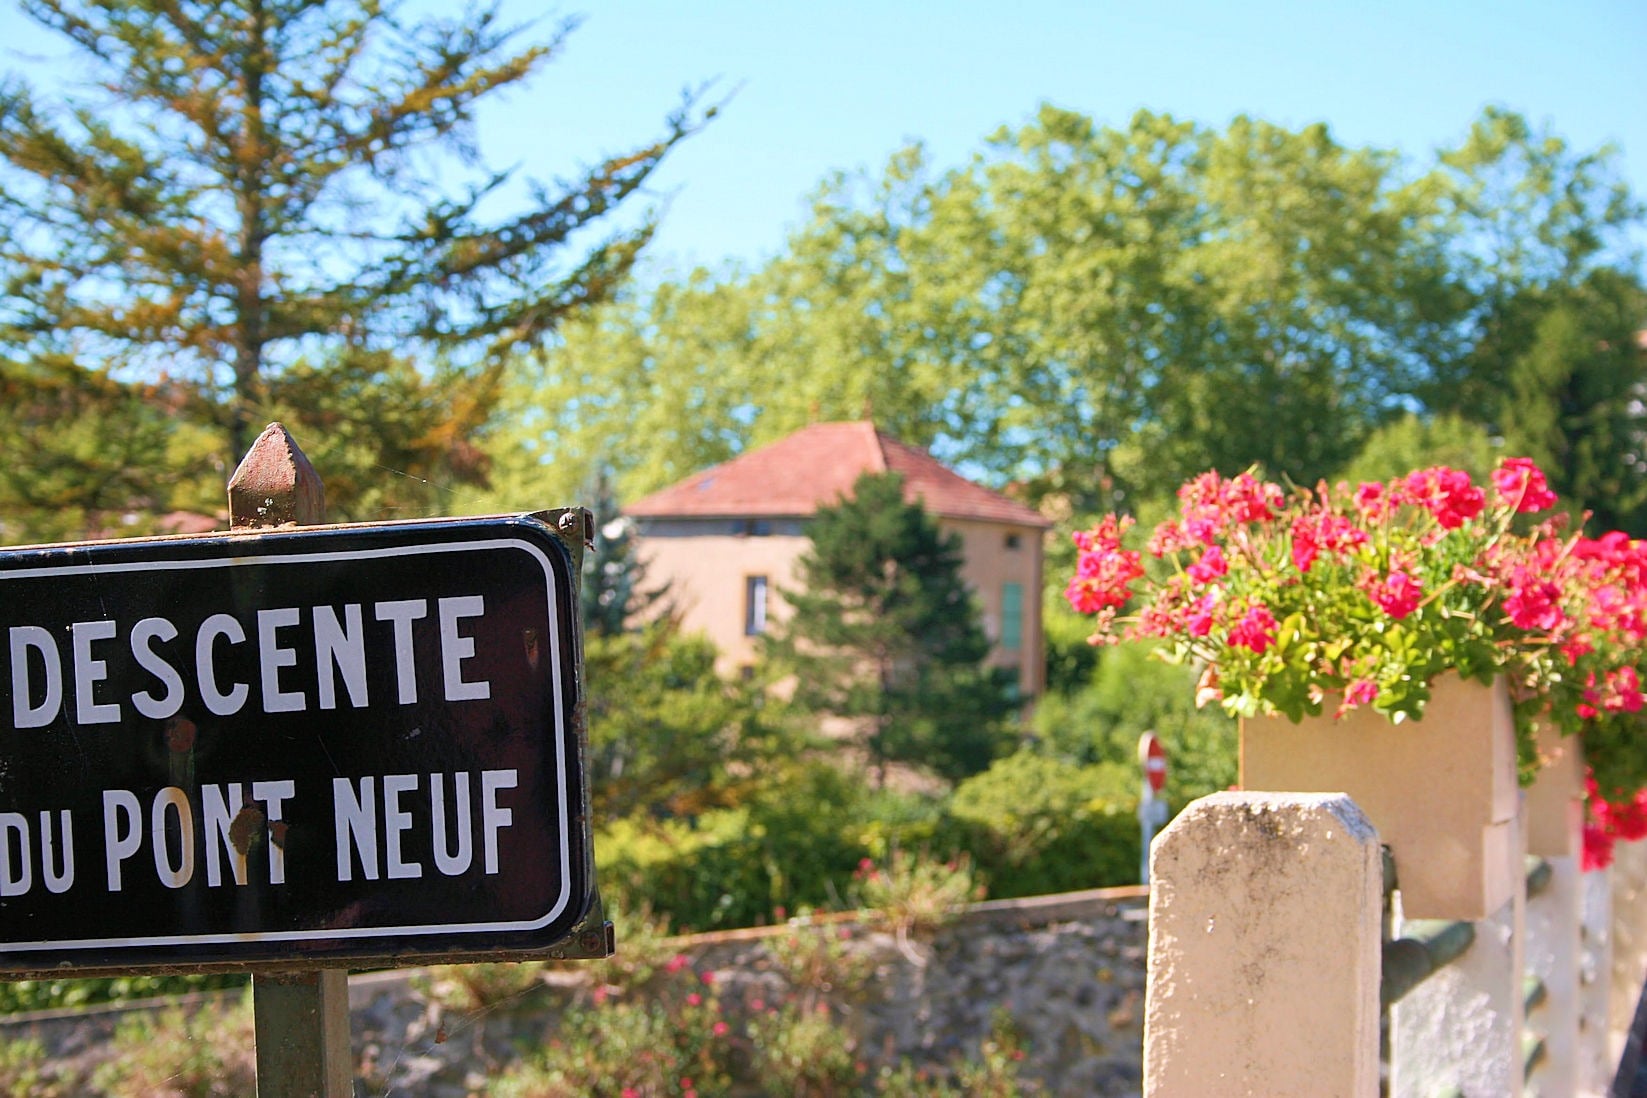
(293, 749)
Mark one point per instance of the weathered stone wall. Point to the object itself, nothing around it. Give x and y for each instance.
(1068, 971)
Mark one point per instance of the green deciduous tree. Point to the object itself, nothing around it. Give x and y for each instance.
(667, 737)
(883, 635)
(249, 186)
(1099, 312)
(1573, 397)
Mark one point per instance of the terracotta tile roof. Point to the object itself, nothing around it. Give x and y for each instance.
(816, 466)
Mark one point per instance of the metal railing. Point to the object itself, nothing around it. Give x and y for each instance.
(1428, 945)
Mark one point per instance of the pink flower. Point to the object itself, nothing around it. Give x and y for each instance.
(1322, 531)
(1168, 537)
(694, 999)
(1398, 595)
(1209, 504)
(676, 963)
(1372, 501)
(1448, 494)
(1304, 547)
(1255, 630)
(1103, 571)
(720, 1029)
(1248, 499)
(1211, 566)
(1520, 484)
(1533, 601)
(1356, 694)
(1199, 619)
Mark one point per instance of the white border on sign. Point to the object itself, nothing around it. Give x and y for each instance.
(563, 793)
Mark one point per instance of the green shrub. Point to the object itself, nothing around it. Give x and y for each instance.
(916, 893)
(204, 1053)
(669, 1040)
(17, 996)
(819, 961)
(641, 950)
(27, 1072)
(804, 1053)
(480, 986)
(1034, 825)
(992, 1074)
(794, 847)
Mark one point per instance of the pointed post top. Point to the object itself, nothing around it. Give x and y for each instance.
(275, 485)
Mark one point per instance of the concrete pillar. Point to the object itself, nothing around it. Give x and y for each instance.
(1629, 941)
(1554, 919)
(1264, 954)
(1595, 1069)
(1461, 1030)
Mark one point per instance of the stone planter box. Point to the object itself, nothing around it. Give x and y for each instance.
(1555, 801)
(1442, 792)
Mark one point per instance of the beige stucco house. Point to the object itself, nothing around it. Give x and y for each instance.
(726, 540)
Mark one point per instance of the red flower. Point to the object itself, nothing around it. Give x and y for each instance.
(1398, 595)
(1322, 531)
(1103, 571)
(1533, 601)
(1199, 619)
(1248, 499)
(1255, 630)
(1628, 819)
(1372, 501)
(1598, 848)
(1211, 566)
(1520, 483)
(1448, 494)
(1356, 694)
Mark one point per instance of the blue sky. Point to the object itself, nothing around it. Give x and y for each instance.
(841, 85)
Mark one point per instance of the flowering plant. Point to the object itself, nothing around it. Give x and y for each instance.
(1292, 599)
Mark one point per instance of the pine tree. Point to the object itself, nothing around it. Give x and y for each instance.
(614, 595)
(884, 634)
(250, 195)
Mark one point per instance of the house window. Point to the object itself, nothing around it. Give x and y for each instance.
(1012, 541)
(754, 606)
(1012, 616)
(755, 528)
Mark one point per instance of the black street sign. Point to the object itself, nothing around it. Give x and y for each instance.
(322, 747)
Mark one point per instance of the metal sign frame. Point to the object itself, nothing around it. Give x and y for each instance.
(191, 699)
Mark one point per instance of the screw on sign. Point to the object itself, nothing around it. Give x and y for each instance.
(1153, 757)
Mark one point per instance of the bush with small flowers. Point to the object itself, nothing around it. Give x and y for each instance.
(673, 1040)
